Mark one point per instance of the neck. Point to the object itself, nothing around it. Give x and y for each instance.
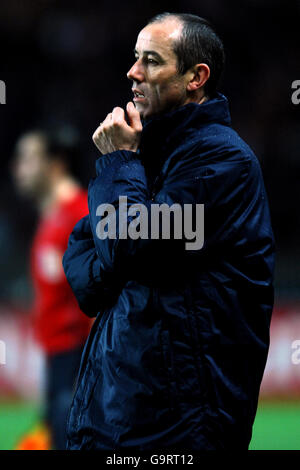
(62, 189)
(197, 99)
(203, 99)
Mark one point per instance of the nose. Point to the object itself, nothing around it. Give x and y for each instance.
(136, 72)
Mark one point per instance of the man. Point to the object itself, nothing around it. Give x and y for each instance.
(42, 171)
(178, 349)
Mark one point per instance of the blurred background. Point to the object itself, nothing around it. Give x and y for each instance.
(64, 64)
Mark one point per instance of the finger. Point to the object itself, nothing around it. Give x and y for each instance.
(118, 115)
(134, 117)
(97, 134)
(100, 128)
(107, 120)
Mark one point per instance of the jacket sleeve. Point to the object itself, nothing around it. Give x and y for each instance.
(90, 283)
(121, 173)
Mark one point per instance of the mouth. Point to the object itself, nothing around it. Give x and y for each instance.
(138, 96)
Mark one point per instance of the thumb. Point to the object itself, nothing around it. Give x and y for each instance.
(134, 117)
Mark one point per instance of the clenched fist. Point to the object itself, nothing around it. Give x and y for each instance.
(115, 134)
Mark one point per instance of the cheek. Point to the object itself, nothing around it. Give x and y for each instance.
(170, 90)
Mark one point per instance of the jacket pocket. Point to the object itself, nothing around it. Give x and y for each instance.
(196, 343)
(169, 369)
(88, 376)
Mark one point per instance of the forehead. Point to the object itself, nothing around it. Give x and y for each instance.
(159, 37)
(32, 144)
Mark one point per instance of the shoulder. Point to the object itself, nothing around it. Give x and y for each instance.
(211, 149)
(220, 143)
(75, 209)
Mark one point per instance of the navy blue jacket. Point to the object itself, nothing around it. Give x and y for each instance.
(177, 352)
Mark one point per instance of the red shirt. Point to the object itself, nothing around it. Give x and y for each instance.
(59, 323)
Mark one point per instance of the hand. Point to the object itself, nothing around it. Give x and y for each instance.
(115, 134)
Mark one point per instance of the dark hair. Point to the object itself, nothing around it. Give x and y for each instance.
(198, 43)
(62, 144)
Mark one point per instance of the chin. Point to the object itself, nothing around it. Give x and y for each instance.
(141, 110)
(146, 114)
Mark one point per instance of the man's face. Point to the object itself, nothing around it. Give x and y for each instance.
(31, 165)
(157, 86)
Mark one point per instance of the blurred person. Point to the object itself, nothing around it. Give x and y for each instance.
(42, 171)
(177, 352)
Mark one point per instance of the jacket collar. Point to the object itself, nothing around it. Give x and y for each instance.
(162, 134)
(163, 128)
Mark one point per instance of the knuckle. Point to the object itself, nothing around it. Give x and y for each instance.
(138, 128)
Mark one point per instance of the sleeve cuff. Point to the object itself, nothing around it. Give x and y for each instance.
(119, 156)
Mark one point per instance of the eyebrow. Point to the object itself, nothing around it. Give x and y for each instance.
(156, 54)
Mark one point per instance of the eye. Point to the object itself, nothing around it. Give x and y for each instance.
(151, 61)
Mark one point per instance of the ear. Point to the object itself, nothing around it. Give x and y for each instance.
(199, 74)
